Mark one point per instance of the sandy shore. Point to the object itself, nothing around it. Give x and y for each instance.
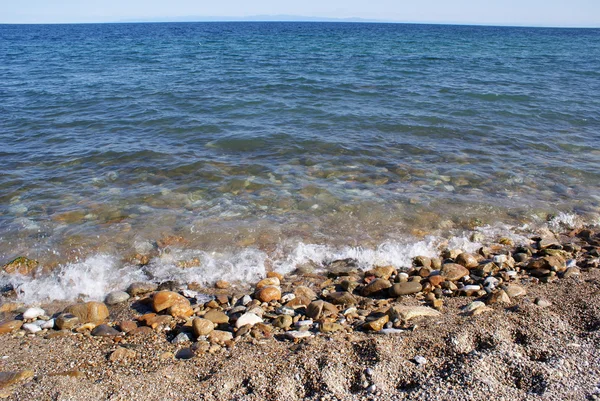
(541, 345)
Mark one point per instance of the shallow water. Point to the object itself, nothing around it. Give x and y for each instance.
(250, 141)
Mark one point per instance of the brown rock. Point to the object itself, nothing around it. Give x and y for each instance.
(407, 288)
(514, 290)
(127, 326)
(142, 331)
(342, 298)
(303, 291)
(216, 316)
(141, 288)
(122, 354)
(20, 265)
(453, 271)
(320, 309)
(89, 312)
(181, 309)
(10, 379)
(268, 294)
(377, 324)
(405, 312)
(222, 285)
(202, 327)
(422, 261)
(283, 321)
(163, 300)
(436, 280)
(330, 327)
(376, 286)
(498, 297)
(10, 326)
(467, 260)
(297, 302)
(219, 336)
(10, 307)
(267, 282)
(276, 275)
(384, 272)
(104, 330)
(66, 321)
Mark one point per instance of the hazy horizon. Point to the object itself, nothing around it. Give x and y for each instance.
(535, 13)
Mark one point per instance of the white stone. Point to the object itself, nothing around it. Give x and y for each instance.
(284, 310)
(246, 299)
(499, 259)
(248, 319)
(304, 323)
(420, 360)
(473, 305)
(471, 288)
(294, 335)
(350, 310)
(287, 297)
(391, 331)
(46, 324)
(571, 263)
(31, 327)
(33, 313)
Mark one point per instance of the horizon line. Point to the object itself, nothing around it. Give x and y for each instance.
(294, 18)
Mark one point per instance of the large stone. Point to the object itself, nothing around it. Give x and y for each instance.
(33, 313)
(342, 298)
(10, 326)
(216, 316)
(405, 312)
(20, 265)
(202, 327)
(116, 297)
(89, 312)
(453, 271)
(268, 294)
(376, 286)
(384, 272)
(320, 309)
(303, 291)
(407, 288)
(248, 319)
(141, 288)
(467, 260)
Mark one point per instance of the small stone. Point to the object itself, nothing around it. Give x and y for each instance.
(178, 305)
(542, 303)
(104, 330)
(319, 309)
(283, 321)
(372, 389)
(407, 288)
(470, 308)
(277, 275)
(467, 260)
(303, 291)
(248, 319)
(222, 284)
(89, 312)
(33, 313)
(297, 335)
(513, 290)
(436, 280)
(181, 338)
(246, 299)
(46, 324)
(141, 288)
(405, 312)
(572, 272)
(422, 261)
(10, 326)
(287, 297)
(341, 298)
(268, 282)
(202, 327)
(21, 265)
(498, 297)
(420, 360)
(31, 328)
(116, 297)
(384, 272)
(127, 326)
(331, 327)
(268, 294)
(9, 379)
(377, 324)
(219, 336)
(66, 321)
(216, 316)
(285, 310)
(122, 354)
(376, 286)
(390, 332)
(453, 271)
(185, 353)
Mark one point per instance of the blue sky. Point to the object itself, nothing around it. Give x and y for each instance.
(496, 12)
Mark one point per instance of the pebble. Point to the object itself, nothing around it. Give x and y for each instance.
(176, 305)
(269, 293)
(89, 312)
(514, 290)
(407, 288)
(202, 327)
(420, 360)
(285, 298)
(467, 260)
(31, 328)
(216, 316)
(283, 321)
(10, 326)
(105, 330)
(391, 331)
(67, 321)
(116, 297)
(248, 319)
(185, 353)
(542, 303)
(181, 338)
(141, 288)
(405, 312)
(246, 299)
(295, 335)
(453, 271)
(284, 310)
(219, 336)
(33, 313)
(122, 354)
(376, 286)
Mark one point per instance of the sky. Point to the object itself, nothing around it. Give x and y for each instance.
(487, 12)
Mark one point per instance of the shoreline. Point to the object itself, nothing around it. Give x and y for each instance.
(495, 323)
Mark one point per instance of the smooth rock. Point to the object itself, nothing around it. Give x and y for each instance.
(46, 324)
(330, 327)
(33, 313)
(67, 321)
(222, 284)
(122, 354)
(127, 326)
(407, 288)
(248, 319)
(513, 290)
(420, 360)
(422, 261)
(268, 282)
(181, 338)
(10, 326)
(216, 316)
(202, 327)
(185, 353)
(105, 330)
(275, 274)
(219, 336)
(163, 300)
(89, 312)
(376, 286)
(542, 303)
(390, 332)
(499, 297)
(453, 271)
(116, 297)
(141, 288)
(9, 379)
(405, 312)
(384, 272)
(283, 321)
(303, 291)
(297, 335)
(341, 298)
(377, 324)
(467, 260)
(31, 328)
(319, 309)
(268, 294)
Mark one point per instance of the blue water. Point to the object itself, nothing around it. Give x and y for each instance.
(247, 135)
